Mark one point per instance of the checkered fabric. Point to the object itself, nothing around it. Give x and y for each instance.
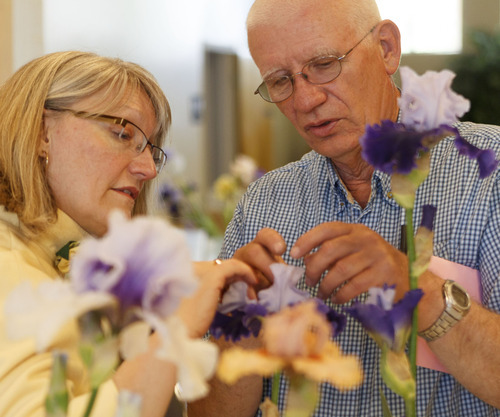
(303, 194)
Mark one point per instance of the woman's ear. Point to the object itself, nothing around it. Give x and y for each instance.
(44, 142)
(390, 44)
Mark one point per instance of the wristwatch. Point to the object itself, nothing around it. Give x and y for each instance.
(457, 305)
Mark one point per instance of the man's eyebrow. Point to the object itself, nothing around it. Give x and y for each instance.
(274, 72)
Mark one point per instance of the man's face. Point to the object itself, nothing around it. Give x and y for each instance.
(330, 117)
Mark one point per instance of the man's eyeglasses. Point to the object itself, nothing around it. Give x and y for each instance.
(320, 70)
(127, 135)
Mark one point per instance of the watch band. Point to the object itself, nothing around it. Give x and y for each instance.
(454, 311)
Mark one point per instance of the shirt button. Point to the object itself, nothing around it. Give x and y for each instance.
(389, 194)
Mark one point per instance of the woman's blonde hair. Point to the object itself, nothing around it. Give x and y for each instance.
(59, 80)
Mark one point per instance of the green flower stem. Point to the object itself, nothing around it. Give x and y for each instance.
(90, 404)
(275, 393)
(410, 403)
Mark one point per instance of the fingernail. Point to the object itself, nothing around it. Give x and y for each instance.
(279, 248)
(294, 252)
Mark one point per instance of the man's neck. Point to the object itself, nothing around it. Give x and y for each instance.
(357, 182)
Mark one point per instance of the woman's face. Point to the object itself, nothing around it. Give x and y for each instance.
(88, 174)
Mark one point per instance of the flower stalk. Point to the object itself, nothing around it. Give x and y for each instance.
(90, 403)
(410, 401)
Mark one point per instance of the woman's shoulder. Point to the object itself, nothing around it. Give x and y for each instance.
(18, 258)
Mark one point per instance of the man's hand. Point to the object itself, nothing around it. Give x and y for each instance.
(355, 257)
(260, 253)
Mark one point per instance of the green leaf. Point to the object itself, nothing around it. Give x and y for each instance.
(396, 373)
(56, 403)
(385, 405)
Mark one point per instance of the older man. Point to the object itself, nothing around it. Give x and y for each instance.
(328, 66)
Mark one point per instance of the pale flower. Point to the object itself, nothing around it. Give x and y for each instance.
(196, 359)
(140, 266)
(269, 409)
(298, 339)
(245, 169)
(282, 293)
(226, 187)
(40, 312)
(129, 404)
(296, 331)
(144, 263)
(428, 101)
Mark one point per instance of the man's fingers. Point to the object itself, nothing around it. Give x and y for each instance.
(271, 240)
(317, 235)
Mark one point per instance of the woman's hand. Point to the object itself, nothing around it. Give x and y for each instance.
(197, 311)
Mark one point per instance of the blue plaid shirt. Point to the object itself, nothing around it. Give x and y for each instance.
(303, 194)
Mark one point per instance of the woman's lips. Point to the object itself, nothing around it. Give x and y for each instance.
(128, 191)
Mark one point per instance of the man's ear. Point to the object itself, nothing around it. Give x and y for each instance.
(390, 44)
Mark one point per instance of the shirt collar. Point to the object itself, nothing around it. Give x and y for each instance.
(54, 238)
(380, 183)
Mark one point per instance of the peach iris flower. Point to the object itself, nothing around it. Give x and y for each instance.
(296, 339)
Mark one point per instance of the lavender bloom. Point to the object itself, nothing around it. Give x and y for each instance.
(282, 293)
(427, 101)
(389, 324)
(428, 109)
(238, 316)
(140, 262)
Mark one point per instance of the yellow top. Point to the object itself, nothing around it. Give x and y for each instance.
(24, 373)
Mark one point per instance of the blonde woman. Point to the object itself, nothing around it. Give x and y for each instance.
(80, 136)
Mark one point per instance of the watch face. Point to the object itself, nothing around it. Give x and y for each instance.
(460, 296)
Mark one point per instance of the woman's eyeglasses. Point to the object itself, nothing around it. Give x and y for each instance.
(128, 135)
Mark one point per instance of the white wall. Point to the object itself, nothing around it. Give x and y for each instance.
(167, 37)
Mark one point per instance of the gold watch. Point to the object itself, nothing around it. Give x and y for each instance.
(457, 305)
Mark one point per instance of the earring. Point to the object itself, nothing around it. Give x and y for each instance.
(47, 160)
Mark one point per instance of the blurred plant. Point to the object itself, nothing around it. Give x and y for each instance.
(186, 207)
(478, 77)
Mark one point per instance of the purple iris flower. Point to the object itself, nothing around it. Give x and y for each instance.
(139, 261)
(336, 320)
(281, 294)
(484, 157)
(389, 324)
(391, 147)
(239, 323)
(428, 214)
(394, 148)
(239, 316)
(171, 197)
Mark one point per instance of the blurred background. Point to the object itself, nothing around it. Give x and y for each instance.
(197, 51)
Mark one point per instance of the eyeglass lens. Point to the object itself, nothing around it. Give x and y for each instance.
(135, 140)
(319, 71)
